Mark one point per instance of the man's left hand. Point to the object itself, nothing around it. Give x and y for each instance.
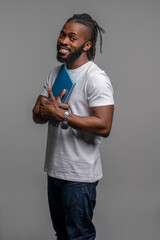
(52, 107)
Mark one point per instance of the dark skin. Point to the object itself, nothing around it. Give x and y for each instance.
(74, 35)
(42, 110)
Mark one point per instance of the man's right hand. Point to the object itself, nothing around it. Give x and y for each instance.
(38, 111)
(52, 107)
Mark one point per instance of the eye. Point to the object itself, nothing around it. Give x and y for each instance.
(72, 38)
(62, 35)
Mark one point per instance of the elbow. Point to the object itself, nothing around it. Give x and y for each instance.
(106, 132)
(105, 135)
(34, 116)
(37, 118)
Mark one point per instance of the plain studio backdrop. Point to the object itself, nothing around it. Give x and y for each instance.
(128, 202)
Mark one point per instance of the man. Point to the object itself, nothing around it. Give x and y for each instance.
(72, 160)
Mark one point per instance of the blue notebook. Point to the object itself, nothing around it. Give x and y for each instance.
(62, 81)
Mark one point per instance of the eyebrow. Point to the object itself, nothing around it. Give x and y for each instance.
(62, 31)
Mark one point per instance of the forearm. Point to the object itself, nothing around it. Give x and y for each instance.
(91, 124)
(99, 123)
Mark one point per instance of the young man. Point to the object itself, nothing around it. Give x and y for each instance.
(72, 160)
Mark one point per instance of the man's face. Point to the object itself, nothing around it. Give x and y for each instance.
(71, 42)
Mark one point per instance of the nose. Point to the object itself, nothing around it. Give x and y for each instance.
(64, 40)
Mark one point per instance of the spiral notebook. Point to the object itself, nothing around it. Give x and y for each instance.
(62, 81)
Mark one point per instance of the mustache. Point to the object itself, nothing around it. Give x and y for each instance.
(63, 45)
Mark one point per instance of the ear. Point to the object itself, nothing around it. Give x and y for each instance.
(87, 46)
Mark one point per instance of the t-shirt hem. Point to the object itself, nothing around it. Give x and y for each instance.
(100, 104)
(73, 179)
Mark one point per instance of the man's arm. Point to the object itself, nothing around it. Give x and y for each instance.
(37, 118)
(99, 123)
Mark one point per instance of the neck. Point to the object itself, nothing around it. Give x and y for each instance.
(78, 62)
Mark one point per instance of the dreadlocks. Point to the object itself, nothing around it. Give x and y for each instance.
(94, 28)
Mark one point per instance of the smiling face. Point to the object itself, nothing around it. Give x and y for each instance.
(73, 43)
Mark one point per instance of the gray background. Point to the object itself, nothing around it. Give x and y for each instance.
(128, 204)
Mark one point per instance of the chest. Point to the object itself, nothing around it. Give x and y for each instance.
(78, 101)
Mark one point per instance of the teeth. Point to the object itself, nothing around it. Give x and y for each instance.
(64, 50)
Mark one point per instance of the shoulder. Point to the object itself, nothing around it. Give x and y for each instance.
(54, 71)
(99, 89)
(49, 80)
(93, 68)
(97, 78)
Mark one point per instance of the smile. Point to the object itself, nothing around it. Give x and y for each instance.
(63, 50)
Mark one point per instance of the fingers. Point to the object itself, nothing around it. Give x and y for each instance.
(50, 94)
(43, 101)
(64, 106)
(51, 97)
(59, 98)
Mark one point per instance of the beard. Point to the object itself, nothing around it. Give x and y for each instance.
(72, 57)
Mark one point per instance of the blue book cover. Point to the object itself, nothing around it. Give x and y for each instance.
(62, 81)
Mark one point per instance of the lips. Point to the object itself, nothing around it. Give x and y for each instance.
(63, 50)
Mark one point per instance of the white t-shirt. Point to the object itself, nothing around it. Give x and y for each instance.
(71, 154)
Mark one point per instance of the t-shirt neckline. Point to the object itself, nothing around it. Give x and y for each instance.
(75, 70)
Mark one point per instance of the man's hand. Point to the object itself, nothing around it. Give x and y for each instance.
(52, 107)
(42, 109)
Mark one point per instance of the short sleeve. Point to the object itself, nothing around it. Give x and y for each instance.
(49, 81)
(44, 91)
(99, 90)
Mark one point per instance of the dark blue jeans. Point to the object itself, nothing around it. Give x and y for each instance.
(71, 207)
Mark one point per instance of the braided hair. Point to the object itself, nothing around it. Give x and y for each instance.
(94, 28)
